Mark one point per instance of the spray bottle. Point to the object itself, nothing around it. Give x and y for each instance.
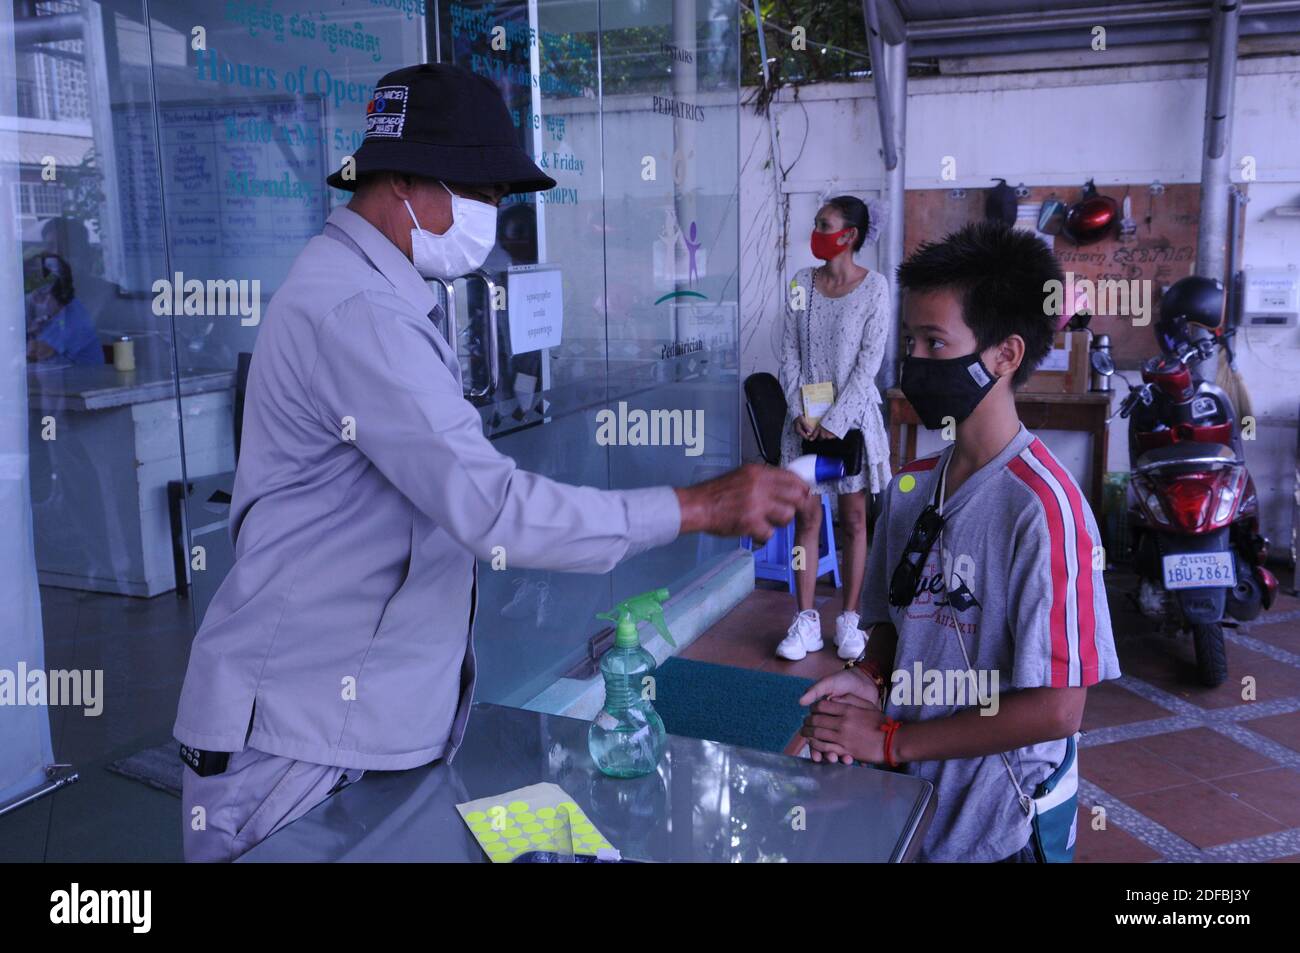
(628, 738)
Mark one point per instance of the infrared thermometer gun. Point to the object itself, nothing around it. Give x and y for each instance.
(814, 468)
(825, 460)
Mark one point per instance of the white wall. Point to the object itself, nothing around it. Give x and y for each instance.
(1127, 124)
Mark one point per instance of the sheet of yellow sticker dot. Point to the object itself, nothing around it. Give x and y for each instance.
(538, 817)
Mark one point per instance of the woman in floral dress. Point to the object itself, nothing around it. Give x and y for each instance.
(837, 336)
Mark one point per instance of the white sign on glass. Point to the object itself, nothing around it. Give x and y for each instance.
(535, 302)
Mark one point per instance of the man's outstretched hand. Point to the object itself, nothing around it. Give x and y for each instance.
(751, 501)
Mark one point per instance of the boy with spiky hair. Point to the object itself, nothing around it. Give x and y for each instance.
(983, 601)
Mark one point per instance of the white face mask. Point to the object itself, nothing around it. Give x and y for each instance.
(463, 247)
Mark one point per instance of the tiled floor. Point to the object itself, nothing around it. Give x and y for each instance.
(1169, 770)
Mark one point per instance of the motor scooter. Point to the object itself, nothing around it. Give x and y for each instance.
(1193, 514)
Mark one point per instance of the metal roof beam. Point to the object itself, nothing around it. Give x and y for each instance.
(893, 28)
(1082, 17)
(871, 20)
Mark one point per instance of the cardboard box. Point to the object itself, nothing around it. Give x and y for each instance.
(1066, 369)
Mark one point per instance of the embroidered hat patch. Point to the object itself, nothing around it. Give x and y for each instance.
(386, 112)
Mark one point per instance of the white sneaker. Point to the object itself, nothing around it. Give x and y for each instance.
(850, 639)
(804, 636)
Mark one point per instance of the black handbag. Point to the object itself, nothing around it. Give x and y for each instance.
(849, 448)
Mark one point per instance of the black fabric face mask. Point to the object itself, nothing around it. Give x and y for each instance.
(939, 389)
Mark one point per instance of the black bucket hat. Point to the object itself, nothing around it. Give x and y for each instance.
(442, 121)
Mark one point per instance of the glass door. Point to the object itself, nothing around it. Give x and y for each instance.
(551, 336)
(616, 342)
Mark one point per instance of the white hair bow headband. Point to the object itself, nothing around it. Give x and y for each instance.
(877, 212)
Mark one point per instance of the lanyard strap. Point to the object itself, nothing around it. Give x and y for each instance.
(1026, 803)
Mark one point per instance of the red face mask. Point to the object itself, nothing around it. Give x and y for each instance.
(823, 244)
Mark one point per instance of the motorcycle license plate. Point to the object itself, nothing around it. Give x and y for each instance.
(1199, 570)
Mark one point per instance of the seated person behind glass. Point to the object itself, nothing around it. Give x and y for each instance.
(58, 326)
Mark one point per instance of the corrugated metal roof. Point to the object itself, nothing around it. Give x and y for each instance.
(960, 9)
(31, 148)
(966, 27)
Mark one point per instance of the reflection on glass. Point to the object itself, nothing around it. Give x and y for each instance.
(562, 835)
(742, 808)
(90, 534)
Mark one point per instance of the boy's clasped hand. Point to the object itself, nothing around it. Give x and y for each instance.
(845, 724)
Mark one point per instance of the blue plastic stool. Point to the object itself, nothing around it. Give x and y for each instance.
(772, 560)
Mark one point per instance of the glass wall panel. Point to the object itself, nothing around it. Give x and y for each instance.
(91, 438)
(533, 625)
(256, 102)
(670, 109)
(633, 109)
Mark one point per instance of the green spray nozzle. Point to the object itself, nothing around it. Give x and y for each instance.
(647, 607)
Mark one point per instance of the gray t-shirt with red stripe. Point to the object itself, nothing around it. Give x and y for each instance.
(1021, 580)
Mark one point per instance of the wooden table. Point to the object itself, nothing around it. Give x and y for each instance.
(1080, 412)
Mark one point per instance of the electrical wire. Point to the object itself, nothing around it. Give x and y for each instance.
(761, 233)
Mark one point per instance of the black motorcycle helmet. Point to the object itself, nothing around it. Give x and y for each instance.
(1190, 308)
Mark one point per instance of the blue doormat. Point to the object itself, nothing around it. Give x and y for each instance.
(159, 767)
(736, 706)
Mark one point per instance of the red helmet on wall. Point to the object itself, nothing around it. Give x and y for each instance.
(1092, 218)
